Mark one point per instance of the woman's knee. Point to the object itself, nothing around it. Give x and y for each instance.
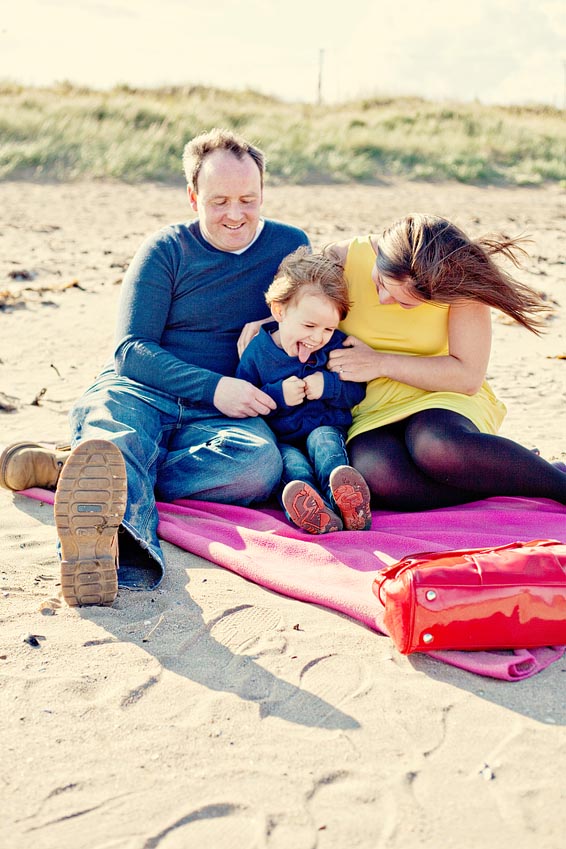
(436, 446)
(379, 467)
(362, 460)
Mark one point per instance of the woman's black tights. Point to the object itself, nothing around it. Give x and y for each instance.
(437, 458)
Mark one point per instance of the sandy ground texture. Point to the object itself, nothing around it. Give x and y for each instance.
(200, 714)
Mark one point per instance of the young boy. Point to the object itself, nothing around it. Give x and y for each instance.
(287, 360)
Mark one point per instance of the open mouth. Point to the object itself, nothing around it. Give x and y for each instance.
(304, 351)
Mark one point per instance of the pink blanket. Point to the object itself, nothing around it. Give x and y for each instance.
(337, 570)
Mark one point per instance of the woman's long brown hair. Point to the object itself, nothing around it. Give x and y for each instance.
(439, 263)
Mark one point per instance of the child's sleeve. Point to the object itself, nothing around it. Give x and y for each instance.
(343, 393)
(247, 367)
(248, 370)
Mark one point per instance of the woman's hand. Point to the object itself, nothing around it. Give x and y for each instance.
(461, 370)
(355, 361)
(249, 330)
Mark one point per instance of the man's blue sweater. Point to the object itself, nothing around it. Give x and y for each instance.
(266, 365)
(184, 303)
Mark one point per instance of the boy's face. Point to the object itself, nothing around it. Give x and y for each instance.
(306, 324)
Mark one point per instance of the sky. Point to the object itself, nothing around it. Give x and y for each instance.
(495, 51)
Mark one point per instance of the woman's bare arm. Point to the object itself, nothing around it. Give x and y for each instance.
(462, 370)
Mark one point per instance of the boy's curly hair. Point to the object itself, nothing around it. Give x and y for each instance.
(316, 273)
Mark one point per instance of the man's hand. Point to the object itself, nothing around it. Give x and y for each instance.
(239, 399)
(293, 391)
(249, 330)
(314, 386)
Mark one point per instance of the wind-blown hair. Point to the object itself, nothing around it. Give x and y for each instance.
(197, 150)
(439, 263)
(318, 274)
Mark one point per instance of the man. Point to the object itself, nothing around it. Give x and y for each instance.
(166, 417)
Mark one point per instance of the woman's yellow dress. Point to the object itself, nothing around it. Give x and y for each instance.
(421, 331)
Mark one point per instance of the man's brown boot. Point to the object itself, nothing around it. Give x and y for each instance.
(90, 502)
(27, 464)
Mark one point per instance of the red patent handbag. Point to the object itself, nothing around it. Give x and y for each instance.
(512, 596)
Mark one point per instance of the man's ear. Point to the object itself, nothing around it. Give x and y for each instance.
(192, 198)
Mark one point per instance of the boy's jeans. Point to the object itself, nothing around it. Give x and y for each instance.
(325, 448)
(175, 451)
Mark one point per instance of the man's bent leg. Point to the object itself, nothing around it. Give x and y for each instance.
(213, 458)
(136, 420)
(27, 464)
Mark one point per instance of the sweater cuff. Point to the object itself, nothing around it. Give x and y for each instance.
(332, 386)
(209, 387)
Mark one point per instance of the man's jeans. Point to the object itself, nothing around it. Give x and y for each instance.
(325, 448)
(174, 451)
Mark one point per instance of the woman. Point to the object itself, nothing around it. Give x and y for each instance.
(419, 335)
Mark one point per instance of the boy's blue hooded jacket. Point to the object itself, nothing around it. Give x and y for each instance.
(266, 365)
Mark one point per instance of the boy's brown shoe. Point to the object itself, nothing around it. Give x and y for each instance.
(27, 464)
(90, 502)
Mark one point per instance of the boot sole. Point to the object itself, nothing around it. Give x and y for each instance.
(307, 510)
(352, 496)
(6, 455)
(90, 502)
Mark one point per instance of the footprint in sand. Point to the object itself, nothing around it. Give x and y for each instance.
(248, 629)
(334, 678)
(249, 632)
(235, 639)
(325, 683)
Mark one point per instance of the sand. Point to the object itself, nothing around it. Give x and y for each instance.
(212, 712)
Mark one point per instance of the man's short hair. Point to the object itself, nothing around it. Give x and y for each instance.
(197, 150)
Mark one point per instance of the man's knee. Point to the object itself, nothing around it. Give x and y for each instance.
(261, 467)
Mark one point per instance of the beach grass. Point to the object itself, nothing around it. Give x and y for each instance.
(67, 132)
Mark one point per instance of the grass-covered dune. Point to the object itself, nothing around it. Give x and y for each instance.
(67, 133)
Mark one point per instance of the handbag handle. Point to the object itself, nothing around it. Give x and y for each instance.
(410, 560)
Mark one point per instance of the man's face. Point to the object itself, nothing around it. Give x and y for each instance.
(229, 200)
